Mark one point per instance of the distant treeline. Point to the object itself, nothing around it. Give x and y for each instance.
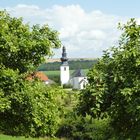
(73, 64)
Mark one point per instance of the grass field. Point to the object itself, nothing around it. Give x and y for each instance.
(6, 137)
(57, 73)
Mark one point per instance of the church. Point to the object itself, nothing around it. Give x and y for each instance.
(77, 79)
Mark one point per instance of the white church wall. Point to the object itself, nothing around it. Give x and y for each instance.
(64, 74)
(83, 83)
(76, 82)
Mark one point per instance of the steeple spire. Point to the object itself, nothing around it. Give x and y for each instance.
(64, 58)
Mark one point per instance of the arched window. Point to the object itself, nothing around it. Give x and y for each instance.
(64, 68)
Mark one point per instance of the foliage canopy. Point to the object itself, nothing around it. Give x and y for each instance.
(23, 47)
(114, 88)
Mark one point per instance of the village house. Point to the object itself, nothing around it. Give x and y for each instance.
(41, 76)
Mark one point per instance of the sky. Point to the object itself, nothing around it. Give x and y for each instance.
(86, 27)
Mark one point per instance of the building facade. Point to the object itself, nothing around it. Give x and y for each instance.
(77, 80)
(64, 68)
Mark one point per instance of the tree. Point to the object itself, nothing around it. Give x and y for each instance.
(26, 108)
(114, 84)
(23, 47)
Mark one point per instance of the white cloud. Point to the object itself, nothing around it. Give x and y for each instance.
(85, 34)
(138, 21)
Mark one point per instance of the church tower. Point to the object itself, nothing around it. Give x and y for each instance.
(64, 68)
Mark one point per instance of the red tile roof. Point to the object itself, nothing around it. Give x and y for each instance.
(40, 75)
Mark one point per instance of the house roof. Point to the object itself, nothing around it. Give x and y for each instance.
(40, 75)
(78, 73)
(83, 80)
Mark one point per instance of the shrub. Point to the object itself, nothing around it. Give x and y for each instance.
(67, 86)
(84, 128)
(33, 108)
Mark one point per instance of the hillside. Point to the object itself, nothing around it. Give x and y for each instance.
(50, 60)
(74, 63)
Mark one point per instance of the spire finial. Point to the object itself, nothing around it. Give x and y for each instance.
(64, 48)
(64, 58)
